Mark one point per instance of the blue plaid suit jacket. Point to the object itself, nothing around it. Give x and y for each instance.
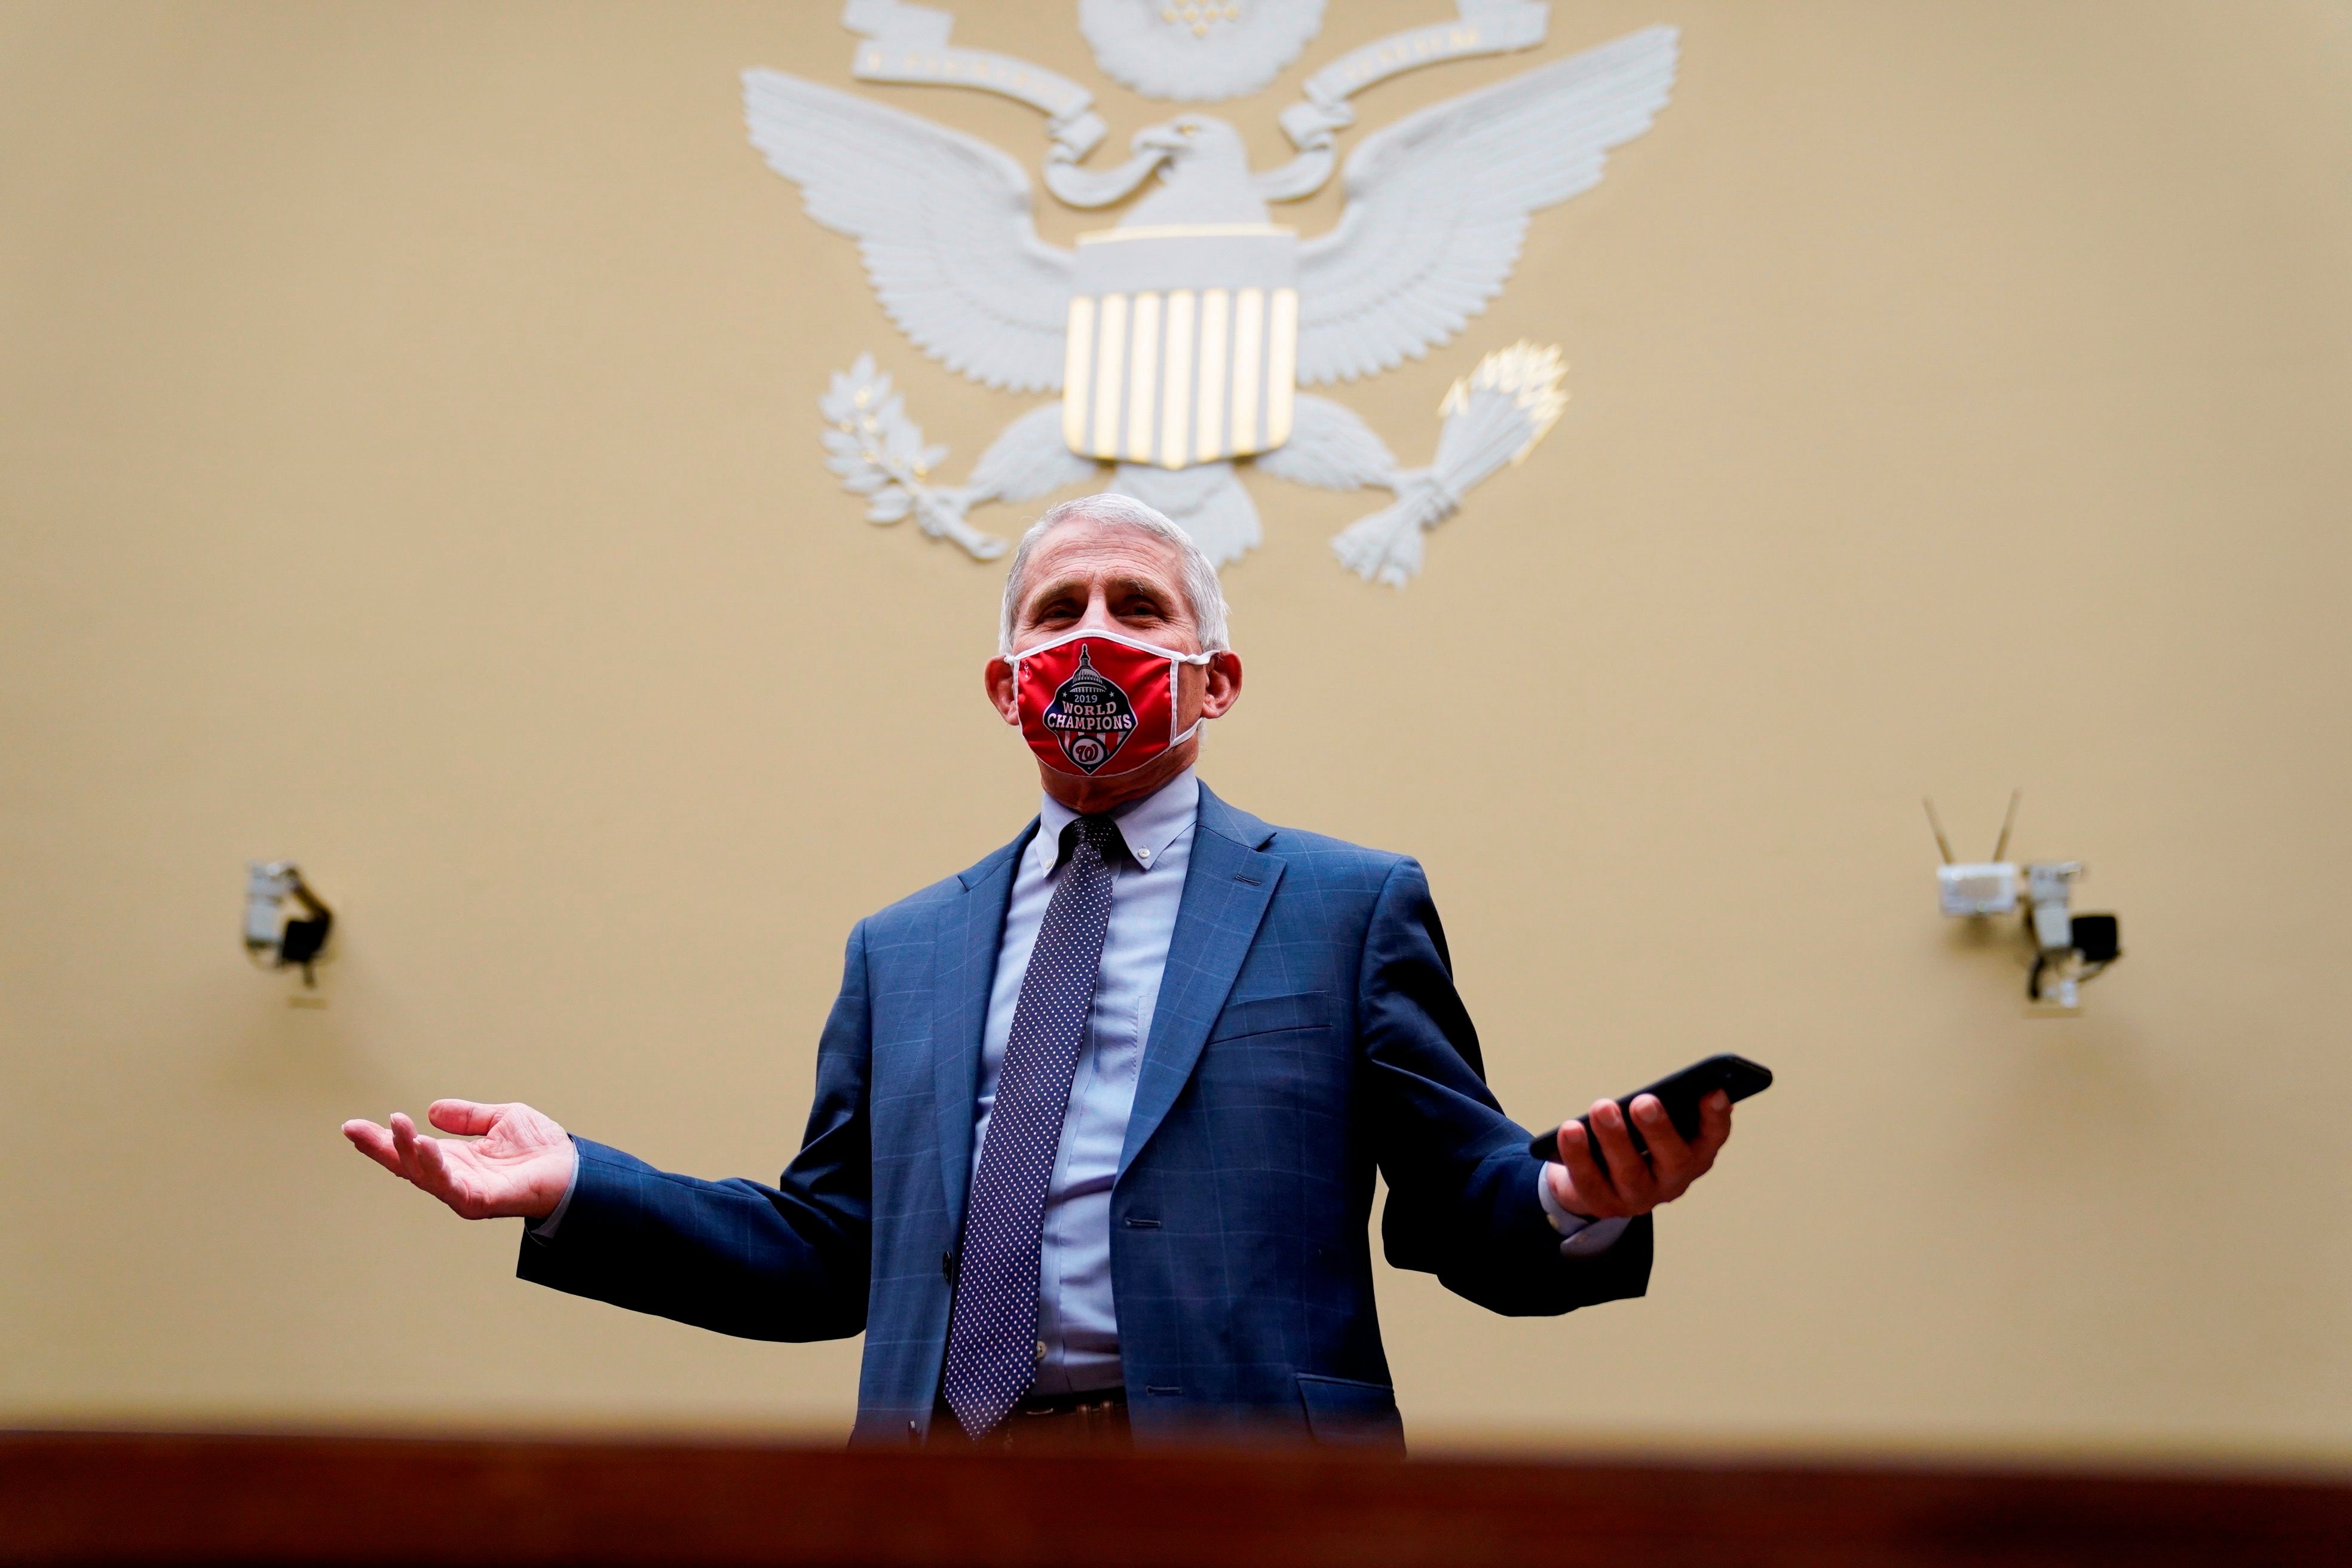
(1307, 1033)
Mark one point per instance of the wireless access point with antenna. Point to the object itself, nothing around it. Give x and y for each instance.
(2068, 948)
(1977, 887)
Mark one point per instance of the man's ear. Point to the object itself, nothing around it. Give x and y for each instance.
(1223, 686)
(998, 678)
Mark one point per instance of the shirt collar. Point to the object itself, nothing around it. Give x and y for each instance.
(1148, 826)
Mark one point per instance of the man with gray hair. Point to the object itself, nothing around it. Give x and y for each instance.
(1096, 1121)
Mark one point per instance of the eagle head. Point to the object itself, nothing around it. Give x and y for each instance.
(1204, 174)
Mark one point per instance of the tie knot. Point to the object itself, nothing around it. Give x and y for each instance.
(1099, 831)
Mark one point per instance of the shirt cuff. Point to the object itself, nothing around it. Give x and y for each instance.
(1579, 1236)
(544, 1229)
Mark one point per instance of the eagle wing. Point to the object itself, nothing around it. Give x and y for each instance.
(1438, 203)
(943, 220)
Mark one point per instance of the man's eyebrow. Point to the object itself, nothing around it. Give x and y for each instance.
(1053, 588)
(1047, 592)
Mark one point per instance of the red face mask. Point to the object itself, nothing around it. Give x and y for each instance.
(1096, 705)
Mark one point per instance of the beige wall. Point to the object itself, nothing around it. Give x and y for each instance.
(408, 463)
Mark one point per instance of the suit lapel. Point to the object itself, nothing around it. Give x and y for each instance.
(970, 929)
(1226, 888)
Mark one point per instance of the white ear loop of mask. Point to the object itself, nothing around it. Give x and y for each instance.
(1154, 649)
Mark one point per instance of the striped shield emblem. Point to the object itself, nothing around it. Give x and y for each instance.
(1183, 343)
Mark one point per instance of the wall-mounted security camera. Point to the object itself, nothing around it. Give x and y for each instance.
(273, 937)
(2067, 949)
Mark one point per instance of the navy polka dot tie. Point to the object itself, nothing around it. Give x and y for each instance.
(993, 1339)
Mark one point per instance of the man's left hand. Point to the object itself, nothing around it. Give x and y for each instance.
(1633, 1185)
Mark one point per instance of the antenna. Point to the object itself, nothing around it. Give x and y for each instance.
(2006, 824)
(1942, 843)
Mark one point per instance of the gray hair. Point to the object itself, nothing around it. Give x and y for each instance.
(1199, 574)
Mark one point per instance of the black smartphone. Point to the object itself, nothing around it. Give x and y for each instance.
(1680, 1094)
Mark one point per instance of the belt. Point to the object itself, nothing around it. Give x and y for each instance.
(1096, 1399)
(1094, 1418)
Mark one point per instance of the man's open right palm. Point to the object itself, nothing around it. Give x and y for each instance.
(520, 1163)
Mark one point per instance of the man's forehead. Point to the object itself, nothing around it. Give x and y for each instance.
(1115, 555)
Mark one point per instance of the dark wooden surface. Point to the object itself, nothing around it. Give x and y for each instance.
(134, 1499)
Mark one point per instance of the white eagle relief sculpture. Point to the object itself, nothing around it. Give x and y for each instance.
(1181, 339)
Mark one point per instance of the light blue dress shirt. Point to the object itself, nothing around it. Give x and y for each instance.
(1077, 1315)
